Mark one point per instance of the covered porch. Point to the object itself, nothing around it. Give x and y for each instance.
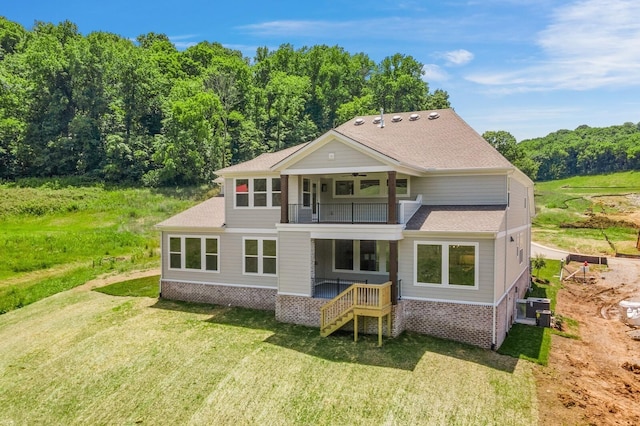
(352, 198)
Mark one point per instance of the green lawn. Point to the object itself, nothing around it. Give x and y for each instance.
(83, 357)
(56, 236)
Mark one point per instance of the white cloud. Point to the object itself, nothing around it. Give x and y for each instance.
(588, 44)
(378, 29)
(433, 73)
(457, 57)
(182, 41)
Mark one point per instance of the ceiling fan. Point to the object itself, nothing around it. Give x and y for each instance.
(355, 174)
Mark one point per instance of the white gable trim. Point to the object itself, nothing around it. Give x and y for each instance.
(330, 136)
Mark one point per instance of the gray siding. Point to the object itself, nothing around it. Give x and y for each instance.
(461, 190)
(518, 229)
(518, 213)
(484, 293)
(246, 217)
(343, 156)
(501, 285)
(230, 263)
(294, 263)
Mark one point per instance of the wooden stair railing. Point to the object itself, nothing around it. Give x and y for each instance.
(370, 300)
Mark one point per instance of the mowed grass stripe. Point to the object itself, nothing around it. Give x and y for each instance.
(91, 358)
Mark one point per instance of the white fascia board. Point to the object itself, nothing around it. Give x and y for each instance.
(481, 171)
(330, 136)
(250, 173)
(488, 235)
(216, 230)
(345, 231)
(350, 170)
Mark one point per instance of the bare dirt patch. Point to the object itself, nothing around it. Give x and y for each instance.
(596, 379)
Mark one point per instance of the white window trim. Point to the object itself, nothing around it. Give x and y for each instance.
(260, 256)
(445, 264)
(384, 189)
(203, 254)
(382, 260)
(269, 193)
(306, 192)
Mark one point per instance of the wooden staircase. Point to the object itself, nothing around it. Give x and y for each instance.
(369, 300)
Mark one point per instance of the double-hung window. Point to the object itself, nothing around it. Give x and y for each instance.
(257, 192)
(306, 192)
(368, 187)
(260, 256)
(194, 253)
(446, 264)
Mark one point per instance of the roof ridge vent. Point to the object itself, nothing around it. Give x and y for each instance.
(377, 120)
(396, 118)
(414, 117)
(433, 115)
(359, 121)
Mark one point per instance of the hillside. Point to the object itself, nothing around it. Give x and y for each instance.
(585, 151)
(589, 214)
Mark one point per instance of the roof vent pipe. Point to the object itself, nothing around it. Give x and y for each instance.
(381, 118)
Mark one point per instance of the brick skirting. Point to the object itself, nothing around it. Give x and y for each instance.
(465, 323)
(255, 298)
(306, 311)
(299, 310)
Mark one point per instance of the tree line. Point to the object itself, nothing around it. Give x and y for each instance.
(142, 111)
(565, 153)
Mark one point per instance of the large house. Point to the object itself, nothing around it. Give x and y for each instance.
(417, 200)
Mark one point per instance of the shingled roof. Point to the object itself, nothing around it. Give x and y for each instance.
(207, 215)
(437, 139)
(422, 140)
(458, 219)
(262, 162)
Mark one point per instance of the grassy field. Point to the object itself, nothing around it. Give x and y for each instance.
(56, 236)
(83, 357)
(601, 209)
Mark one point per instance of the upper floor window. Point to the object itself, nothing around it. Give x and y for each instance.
(368, 186)
(257, 192)
(306, 192)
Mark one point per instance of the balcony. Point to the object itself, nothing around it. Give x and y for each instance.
(340, 213)
(356, 213)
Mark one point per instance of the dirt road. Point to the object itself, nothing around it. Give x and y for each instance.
(594, 379)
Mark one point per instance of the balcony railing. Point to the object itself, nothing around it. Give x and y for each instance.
(328, 288)
(341, 213)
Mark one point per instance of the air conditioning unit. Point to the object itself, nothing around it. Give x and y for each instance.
(537, 304)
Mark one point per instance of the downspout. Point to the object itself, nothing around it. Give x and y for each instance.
(162, 257)
(506, 242)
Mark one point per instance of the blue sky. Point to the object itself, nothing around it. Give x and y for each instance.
(529, 67)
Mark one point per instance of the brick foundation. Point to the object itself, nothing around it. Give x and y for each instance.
(463, 323)
(306, 311)
(299, 310)
(255, 298)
